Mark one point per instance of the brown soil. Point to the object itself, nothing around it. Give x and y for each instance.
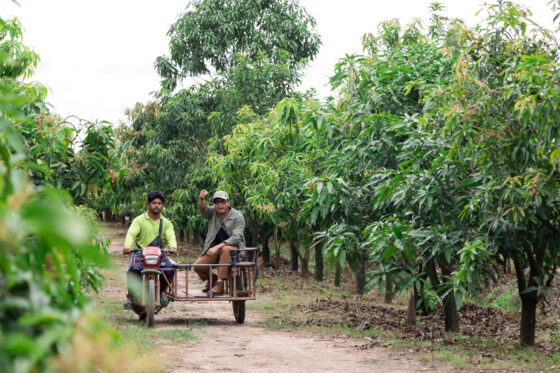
(225, 345)
(475, 321)
(356, 312)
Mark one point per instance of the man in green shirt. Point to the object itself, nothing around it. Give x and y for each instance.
(143, 232)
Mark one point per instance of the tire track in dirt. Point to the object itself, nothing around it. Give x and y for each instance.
(225, 345)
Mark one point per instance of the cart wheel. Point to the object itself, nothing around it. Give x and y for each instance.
(239, 310)
(150, 306)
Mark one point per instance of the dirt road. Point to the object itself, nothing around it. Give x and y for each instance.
(224, 345)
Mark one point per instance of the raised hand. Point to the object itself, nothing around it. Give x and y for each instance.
(203, 194)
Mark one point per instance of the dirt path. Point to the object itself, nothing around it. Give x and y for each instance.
(224, 345)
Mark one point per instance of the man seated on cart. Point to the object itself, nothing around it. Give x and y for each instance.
(225, 233)
(148, 229)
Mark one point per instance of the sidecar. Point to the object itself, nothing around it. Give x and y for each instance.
(240, 287)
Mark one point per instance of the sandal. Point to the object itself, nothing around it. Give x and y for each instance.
(127, 305)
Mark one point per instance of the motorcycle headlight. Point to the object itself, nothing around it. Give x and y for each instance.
(151, 259)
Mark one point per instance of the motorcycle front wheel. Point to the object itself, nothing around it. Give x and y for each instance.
(150, 304)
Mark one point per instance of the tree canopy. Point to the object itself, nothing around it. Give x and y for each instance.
(209, 35)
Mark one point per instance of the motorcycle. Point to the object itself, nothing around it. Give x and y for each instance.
(150, 298)
(148, 295)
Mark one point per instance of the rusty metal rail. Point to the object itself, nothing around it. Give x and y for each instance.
(245, 272)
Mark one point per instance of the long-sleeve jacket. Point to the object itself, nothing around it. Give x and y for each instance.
(233, 224)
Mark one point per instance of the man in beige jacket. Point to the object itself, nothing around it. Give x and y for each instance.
(225, 233)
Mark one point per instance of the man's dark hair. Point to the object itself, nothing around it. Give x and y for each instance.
(156, 194)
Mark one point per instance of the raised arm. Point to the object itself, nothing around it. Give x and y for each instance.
(203, 207)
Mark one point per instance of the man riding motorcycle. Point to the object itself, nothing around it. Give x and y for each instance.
(148, 229)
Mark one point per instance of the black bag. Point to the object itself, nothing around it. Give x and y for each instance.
(157, 241)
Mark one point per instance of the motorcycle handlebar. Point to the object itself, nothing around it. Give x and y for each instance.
(169, 251)
(132, 251)
(164, 251)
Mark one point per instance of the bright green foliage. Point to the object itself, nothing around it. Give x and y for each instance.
(500, 115)
(61, 155)
(266, 167)
(478, 167)
(381, 98)
(209, 35)
(48, 256)
(95, 165)
(475, 260)
(18, 60)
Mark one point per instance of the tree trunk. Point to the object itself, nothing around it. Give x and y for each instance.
(305, 267)
(108, 214)
(304, 256)
(265, 249)
(181, 235)
(432, 273)
(294, 263)
(389, 290)
(337, 274)
(411, 314)
(449, 306)
(529, 301)
(319, 262)
(450, 313)
(276, 248)
(254, 236)
(360, 275)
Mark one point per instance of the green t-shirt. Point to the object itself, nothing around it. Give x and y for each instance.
(143, 230)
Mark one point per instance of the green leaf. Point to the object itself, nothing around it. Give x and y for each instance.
(398, 231)
(470, 183)
(388, 252)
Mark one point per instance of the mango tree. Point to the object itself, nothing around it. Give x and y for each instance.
(207, 37)
(381, 95)
(268, 163)
(499, 112)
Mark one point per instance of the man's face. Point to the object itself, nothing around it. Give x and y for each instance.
(221, 205)
(155, 206)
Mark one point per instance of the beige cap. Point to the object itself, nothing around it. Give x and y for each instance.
(221, 194)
